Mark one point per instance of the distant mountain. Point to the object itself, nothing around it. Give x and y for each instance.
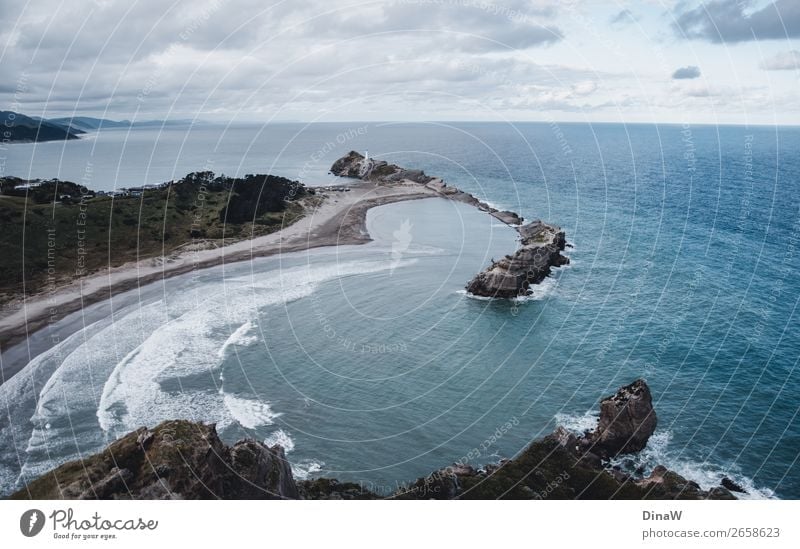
(18, 128)
(88, 123)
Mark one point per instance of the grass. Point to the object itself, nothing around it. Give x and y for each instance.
(47, 244)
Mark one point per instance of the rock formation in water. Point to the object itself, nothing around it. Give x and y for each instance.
(512, 276)
(180, 459)
(355, 165)
(627, 419)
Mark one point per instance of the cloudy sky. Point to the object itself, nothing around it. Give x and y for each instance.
(712, 61)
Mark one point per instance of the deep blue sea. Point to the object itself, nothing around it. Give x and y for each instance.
(370, 363)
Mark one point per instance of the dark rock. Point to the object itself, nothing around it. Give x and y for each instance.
(512, 276)
(732, 486)
(145, 438)
(115, 482)
(719, 493)
(350, 165)
(330, 488)
(184, 460)
(175, 460)
(264, 472)
(507, 217)
(355, 165)
(665, 484)
(627, 419)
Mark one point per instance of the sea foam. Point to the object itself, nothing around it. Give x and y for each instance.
(192, 343)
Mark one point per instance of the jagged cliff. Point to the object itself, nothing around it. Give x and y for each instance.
(185, 460)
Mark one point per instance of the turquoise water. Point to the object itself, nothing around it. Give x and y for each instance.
(368, 363)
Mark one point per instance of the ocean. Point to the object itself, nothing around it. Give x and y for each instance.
(369, 363)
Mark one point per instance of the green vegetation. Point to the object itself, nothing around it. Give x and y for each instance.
(55, 231)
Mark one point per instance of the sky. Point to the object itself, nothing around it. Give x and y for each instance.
(690, 61)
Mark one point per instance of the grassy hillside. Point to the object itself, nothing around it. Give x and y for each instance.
(56, 231)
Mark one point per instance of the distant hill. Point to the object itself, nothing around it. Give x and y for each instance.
(88, 123)
(18, 128)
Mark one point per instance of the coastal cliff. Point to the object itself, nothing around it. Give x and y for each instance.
(540, 244)
(185, 460)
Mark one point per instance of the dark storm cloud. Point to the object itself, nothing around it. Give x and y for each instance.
(686, 73)
(732, 21)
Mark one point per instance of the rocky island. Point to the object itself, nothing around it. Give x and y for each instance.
(185, 460)
(540, 244)
(512, 276)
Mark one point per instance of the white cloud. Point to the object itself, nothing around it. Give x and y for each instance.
(783, 61)
(400, 57)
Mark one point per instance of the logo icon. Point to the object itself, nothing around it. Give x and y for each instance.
(31, 522)
(401, 243)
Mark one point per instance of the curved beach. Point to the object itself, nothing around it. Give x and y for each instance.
(338, 220)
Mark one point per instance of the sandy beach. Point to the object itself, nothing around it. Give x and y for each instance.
(340, 219)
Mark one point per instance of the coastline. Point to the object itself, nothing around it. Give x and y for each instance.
(339, 220)
(143, 465)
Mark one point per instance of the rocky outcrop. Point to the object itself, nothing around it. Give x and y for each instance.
(355, 165)
(540, 250)
(627, 420)
(175, 460)
(180, 459)
(563, 465)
